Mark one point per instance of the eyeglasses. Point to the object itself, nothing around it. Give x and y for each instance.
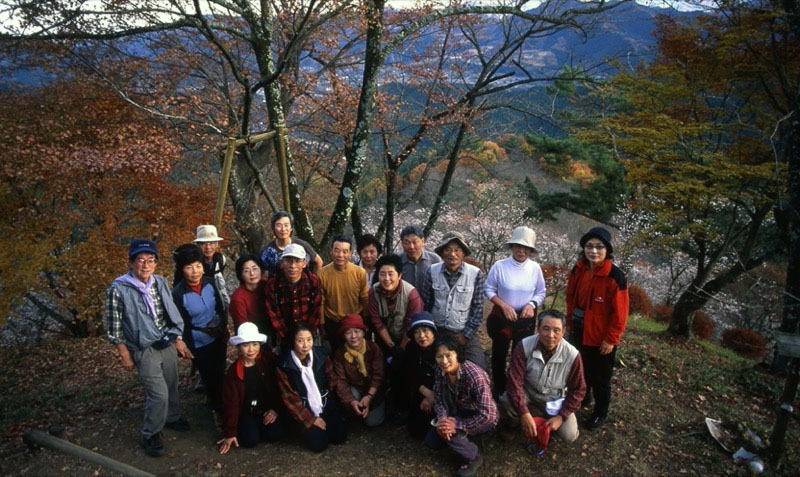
(146, 261)
(589, 246)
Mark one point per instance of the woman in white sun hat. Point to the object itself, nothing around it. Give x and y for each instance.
(250, 396)
(214, 262)
(515, 285)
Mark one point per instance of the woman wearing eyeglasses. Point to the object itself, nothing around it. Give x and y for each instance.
(597, 311)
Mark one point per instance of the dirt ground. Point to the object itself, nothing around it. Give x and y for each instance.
(661, 395)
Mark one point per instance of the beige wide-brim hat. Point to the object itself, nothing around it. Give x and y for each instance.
(453, 237)
(207, 233)
(524, 236)
(247, 333)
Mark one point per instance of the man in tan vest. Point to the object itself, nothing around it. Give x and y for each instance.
(545, 379)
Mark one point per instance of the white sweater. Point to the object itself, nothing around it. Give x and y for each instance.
(516, 283)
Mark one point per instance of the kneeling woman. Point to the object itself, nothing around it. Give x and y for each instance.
(307, 387)
(463, 405)
(250, 393)
(420, 369)
(359, 373)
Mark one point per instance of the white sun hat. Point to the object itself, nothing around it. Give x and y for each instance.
(524, 236)
(207, 233)
(247, 333)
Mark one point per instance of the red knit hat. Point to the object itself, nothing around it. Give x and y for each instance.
(352, 320)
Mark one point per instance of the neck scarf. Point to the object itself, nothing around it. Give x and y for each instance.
(143, 288)
(357, 355)
(312, 391)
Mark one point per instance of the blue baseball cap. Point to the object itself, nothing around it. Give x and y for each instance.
(142, 246)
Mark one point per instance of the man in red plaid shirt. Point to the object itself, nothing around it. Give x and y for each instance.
(293, 294)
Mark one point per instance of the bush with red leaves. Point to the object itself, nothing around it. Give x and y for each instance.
(663, 312)
(639, 302)
(745, 342)
(702, 326)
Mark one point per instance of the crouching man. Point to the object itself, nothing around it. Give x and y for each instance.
(145, 326)
(545, 380)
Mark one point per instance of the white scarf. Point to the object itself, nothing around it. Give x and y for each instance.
(312, 391)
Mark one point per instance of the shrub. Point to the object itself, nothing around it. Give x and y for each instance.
(745, 342)
(639, 302)
(663, 312)
(702, 326)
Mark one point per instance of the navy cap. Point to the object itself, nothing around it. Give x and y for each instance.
(142, 246)
(600, 234)
(421, 318)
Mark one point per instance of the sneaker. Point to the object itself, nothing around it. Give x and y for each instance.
(181, 425)
(469, 469)
(153, 445)
(595, 422)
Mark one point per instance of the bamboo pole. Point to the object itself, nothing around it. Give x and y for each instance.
(223, 183)
(255, 138)
(32, 436)
(283, 169)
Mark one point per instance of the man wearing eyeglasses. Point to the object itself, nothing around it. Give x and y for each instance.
(145, 326)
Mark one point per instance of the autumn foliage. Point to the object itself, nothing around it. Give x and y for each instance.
(639, 301)
(663, 312)
(83, 173)
(745, 342)
(702, 326)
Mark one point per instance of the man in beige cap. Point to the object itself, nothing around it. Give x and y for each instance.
(453, 294)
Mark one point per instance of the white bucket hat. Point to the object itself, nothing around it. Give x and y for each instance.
(294, 250)
(207, 233)
(524, 236)
(247, 333)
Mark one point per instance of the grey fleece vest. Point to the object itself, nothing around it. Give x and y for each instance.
(451, 305)
(547, 381)
(138, 326)
(393, 322)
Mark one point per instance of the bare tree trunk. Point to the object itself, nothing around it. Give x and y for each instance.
(448, 175)
(356, 152)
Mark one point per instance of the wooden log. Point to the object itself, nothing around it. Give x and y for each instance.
(32, 436)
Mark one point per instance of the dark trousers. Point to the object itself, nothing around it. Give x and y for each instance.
(395, 378)
(503, 336)
(597, 370)
(252, 430)
(210, 362)
(317, 440)
(332, 334)
(419, 423)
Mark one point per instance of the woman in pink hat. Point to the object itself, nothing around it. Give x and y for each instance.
(359, 370)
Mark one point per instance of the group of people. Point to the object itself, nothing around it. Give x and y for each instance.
(393, 336)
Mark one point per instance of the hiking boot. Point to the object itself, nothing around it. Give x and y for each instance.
(469, 469)
(153, 445)
(181, 425)
(595, 422)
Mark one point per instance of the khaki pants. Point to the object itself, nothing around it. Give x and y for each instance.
(569, 428)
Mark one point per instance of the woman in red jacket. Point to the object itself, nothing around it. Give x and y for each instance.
(250, 396)
(597, 310)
